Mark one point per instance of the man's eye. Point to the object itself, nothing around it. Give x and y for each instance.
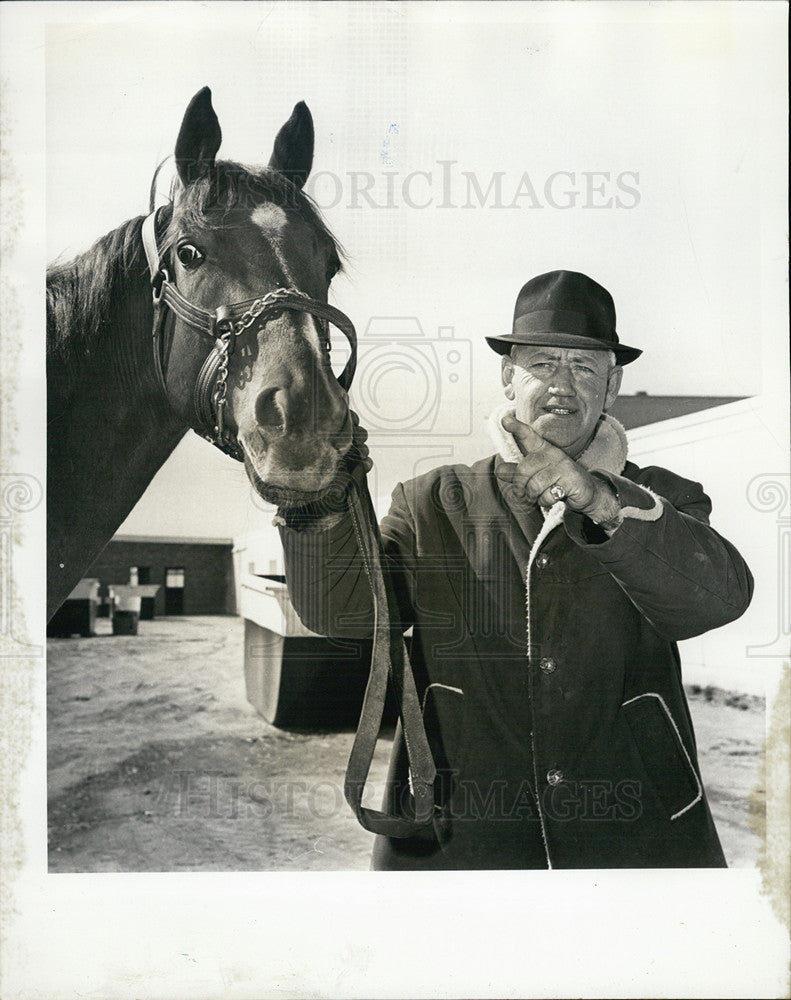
(190, 255)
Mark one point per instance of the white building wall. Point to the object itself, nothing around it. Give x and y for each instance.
(739, 452)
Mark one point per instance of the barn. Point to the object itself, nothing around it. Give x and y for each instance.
(195, 575)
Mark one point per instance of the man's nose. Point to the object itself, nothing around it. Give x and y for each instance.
(561, 383)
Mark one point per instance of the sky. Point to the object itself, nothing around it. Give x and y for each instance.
(663, 102)
(460, 150)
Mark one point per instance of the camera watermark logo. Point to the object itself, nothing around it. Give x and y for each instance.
(20, 493)
(771, 494)
(412, 383)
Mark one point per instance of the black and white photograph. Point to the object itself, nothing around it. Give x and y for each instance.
(396, 506)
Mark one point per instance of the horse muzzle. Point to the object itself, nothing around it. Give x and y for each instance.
(292, 469)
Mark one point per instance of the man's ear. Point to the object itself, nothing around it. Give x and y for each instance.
(613, 386)
(507, 375)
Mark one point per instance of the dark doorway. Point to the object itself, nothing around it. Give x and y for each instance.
(174, 590)
(143, 574)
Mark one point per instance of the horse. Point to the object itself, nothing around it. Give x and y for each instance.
(238, 264)
(266, 393)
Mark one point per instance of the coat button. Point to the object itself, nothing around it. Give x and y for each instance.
(542, 560)
(547, 665)
(554, 777)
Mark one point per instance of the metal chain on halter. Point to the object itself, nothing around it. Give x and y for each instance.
(221, 389)
(225, 348)
(255, 310)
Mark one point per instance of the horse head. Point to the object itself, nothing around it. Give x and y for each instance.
(232, 237)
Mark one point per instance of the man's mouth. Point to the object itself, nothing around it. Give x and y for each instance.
(559, 411)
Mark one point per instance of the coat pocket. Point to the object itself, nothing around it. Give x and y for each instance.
(664, 757)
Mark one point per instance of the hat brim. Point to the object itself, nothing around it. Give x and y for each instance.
(623, 354)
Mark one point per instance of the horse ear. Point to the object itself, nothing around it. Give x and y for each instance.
(199, 138)
(292, 154)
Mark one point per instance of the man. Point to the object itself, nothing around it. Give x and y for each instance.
(546, 586)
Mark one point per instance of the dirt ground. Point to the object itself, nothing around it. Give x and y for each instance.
(158, 763)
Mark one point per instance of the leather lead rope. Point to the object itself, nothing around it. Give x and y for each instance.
(389, 656)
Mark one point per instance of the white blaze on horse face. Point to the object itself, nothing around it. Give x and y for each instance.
(271, 221)
(269, 218)
(294, 247)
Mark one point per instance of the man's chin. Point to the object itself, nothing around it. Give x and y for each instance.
(563, 432)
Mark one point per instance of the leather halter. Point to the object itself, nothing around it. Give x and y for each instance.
(222, 327)
(389, 655)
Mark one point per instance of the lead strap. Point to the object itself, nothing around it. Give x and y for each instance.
(389, 655)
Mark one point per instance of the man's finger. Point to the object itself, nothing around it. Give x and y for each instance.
(526, 437)
(506, 471)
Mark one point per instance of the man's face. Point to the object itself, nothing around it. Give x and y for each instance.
(561, 391)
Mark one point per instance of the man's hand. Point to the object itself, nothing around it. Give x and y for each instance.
(545, 468)
(359, 449)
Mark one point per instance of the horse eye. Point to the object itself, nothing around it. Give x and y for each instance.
(190, 255)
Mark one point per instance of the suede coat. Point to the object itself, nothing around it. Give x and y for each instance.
(545, 654)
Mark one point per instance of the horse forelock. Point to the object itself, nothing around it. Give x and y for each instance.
(210, 202)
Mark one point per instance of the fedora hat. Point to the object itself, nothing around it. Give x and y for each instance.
(565, 309)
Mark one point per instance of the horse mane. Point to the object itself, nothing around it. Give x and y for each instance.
(81, 292)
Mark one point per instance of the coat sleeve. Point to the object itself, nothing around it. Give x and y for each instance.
(326, 577)
(675, 568)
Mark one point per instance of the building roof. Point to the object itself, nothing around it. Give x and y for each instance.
(640, 409)
(170, 539)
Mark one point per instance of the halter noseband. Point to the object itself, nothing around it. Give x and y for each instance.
(223, 326)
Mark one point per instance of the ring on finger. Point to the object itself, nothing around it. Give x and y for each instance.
(557, 492)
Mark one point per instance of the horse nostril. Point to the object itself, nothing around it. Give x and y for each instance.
(270, 407)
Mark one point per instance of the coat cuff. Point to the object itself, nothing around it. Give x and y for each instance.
(638, 503)
(333, 526)
(304, 521)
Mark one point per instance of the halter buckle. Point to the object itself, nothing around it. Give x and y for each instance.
(224, 329)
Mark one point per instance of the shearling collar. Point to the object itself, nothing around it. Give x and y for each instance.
(607, 451)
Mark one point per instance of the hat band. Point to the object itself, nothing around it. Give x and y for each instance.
(560, 321)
